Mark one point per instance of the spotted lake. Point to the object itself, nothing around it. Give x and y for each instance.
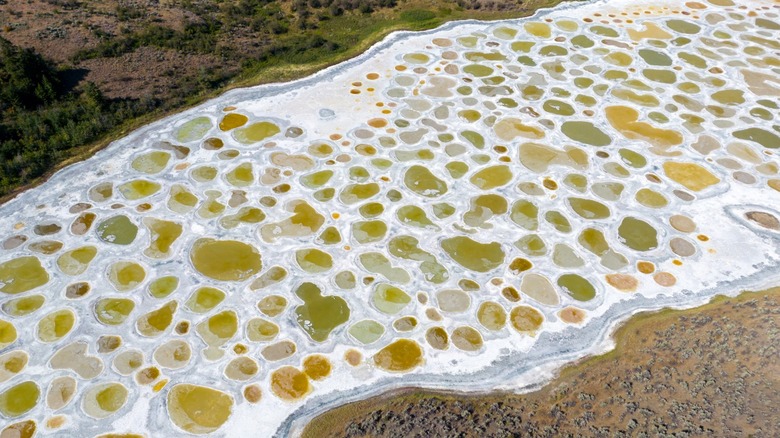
(465, 208)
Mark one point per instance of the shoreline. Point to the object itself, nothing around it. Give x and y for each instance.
(538, 368)
(508, 362)
(639, 325)
(282, 75)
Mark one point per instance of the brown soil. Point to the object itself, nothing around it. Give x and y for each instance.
(148, 71)
(708, 371)
(58, 29)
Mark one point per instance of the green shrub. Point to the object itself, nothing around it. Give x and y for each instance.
(41, 122)
(27, 79)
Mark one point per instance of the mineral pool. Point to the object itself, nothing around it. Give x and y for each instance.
(446, 210)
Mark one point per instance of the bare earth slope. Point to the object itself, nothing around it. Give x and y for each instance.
(709, 371)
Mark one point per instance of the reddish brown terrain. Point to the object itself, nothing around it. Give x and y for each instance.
(204, 40)
(62, 29)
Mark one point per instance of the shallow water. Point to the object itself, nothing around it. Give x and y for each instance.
(448, 201)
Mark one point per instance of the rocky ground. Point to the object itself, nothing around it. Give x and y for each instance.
(709, 371)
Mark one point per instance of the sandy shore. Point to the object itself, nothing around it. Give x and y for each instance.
(706, 371)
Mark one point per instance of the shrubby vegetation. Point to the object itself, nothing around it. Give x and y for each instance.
(217, 21)
(195, 38)
(41, 120)
(44, 119)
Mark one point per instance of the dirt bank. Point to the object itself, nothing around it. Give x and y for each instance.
(708, 371)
